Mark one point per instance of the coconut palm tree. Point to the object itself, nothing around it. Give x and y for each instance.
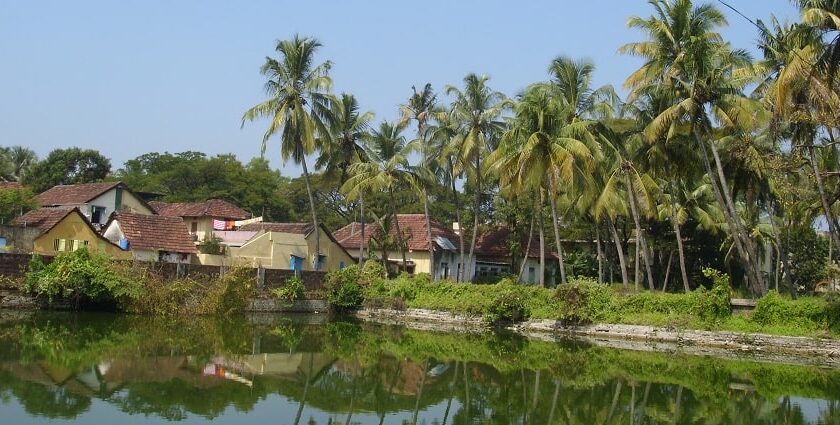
(419, 108)
(387, 170)
(706, 78)
(478, 109)
(298, 99)
(343, 147)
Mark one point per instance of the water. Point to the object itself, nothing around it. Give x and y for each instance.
(108, 369)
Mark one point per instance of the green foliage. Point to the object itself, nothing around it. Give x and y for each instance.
(581, 264)
(67, 166)
(14, 202)
(292, 290)
(79, 276)
(584, 301)
(808, 256)
(509, 305)
(344, 289)
(809, 312)
(211, 245)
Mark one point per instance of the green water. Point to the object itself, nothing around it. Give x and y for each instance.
(108, 369)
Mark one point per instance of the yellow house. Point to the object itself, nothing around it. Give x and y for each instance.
(65, 229)
(288, 246)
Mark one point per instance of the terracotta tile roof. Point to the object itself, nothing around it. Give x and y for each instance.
(43, 218)
(10, 185)
(73, 194)
(296, 228)
(216, 208)
(493, 243)
(412, 226)
(155, 232)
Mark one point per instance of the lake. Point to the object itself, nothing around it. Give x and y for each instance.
(96, 368)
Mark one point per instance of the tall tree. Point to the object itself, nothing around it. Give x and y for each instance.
(67, 166)
(298, 99)
(344, 147)
(478, 109)
(419, 108)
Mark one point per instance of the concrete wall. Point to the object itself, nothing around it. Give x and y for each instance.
(273, 250)
(129, 203)
(19, 239)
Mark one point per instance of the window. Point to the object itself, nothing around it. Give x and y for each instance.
(194, 227)
(532, 275)
(320, 263)
(97, 214)
(444, 270)
(67, 245)
(296, 263)
(341, 265)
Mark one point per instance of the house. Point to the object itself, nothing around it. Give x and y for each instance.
(494, 257)
(62, 229)
(151, 237)
(96, 201)
(415, 236)
(202, 218)
(289, 246)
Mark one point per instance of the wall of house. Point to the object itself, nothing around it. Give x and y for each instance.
(336, 256)
(129, 203)
(18, 239)
(75, 227)
(204, 227)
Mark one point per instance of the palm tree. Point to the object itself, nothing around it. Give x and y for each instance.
(478, 109)
(298, 99)
(706, 79)
(344, 147)
(387, 170)
(419, 108)
(16, 160)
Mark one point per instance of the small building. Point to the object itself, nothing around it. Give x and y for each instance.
(151, 237)
(494, 257)
(289, 246)
(64, 229)
(415, 236)
(202, 218)
(96, 201)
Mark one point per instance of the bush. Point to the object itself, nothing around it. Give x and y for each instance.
(211, 245)
(292, 290)
(80, 276)
(808, 256)
(714, 305)
(509, 305)
(774, 309)
(583, 301)
(581, 264)
(206, 296)
(372, 271)
(344, 291)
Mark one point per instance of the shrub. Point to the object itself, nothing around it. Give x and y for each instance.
(80, 276)
(211, 245)
(583, 301)
(714, 304)
(508, 305)
(774, 309)
(581, 264)
(229, 294)
(292, 290)
(372, 271)
(344, 292)
(808, 256)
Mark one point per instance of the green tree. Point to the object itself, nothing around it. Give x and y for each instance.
(298, 98)
(67, 166)
(15, 201)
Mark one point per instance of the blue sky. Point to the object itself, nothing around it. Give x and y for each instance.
(130, 77)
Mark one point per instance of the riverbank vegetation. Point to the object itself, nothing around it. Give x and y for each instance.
(584, 301)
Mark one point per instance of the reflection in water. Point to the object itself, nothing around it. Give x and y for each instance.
(73, 366)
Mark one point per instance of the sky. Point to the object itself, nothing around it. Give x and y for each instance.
(132, 77)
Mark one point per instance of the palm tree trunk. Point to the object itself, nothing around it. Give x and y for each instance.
(737, 237)
(527, 249)
(461, 265)
(362, 219)
(554, 402)
(397, 226)
(429, 235)
(782, 251)
(637, 263)
(476, 207)
(557, 239)
(668, 271)
(640, 233)
(678, 232)
(600, 254)
(542, 242)
(315, 225)
(624, 278)
(451, 394)
(302, 403)
(420, 393)
(760, 286)
(829, 216)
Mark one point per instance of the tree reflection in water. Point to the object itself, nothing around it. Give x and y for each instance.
(55, 365)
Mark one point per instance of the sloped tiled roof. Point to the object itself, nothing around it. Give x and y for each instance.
(295, 228)
(43, 218)
(73, 194)
(493, 243)
(412, 227)
(216, 208)
(10, 185)
(155, 232)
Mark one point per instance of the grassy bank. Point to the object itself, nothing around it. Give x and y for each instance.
(583, 301)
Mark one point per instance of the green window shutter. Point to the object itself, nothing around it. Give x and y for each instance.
(118, 199)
